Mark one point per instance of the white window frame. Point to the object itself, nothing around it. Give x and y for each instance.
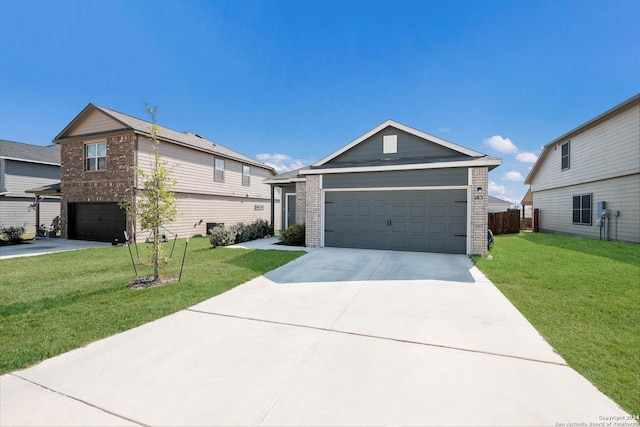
(567, 156)
(96, 158)
(246, 175)
(217, 169)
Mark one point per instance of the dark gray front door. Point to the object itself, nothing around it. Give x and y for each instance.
(291, 210)
(424, 221)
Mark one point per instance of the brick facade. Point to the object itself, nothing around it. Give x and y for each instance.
(113, 184)
(301, 202)
(479, 202)
(313, 211)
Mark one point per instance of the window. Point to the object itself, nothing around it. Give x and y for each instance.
(582, 209)
(218, 170)
(246, 175)
(565, 156)
(389, 144)
(96, 156)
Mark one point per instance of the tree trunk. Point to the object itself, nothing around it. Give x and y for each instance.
(156, 255)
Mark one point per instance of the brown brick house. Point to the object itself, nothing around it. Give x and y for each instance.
(100, 149)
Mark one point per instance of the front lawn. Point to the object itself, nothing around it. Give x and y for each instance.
(50, 304)
(583, 296)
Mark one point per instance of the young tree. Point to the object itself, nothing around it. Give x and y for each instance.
(156, 204)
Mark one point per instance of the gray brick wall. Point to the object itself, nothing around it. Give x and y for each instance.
(109, 185)
(479, 201)
(313, 211)
(301, 202)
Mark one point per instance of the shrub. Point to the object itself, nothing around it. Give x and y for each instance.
(220, 236)
(240, 233)
(14, 234)
(293, 235)
(260, 229)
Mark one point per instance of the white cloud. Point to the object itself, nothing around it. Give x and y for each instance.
(444, 130)
(281, 162)
(496, 190)
(500, 144)
(513, 176)
(526, 157)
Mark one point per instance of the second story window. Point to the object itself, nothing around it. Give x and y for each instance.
(246, 175)
(218, 170)
(96, 155)
(565, 156)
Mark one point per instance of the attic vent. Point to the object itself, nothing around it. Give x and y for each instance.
(389, 144)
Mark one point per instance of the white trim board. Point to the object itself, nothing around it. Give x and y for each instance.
(424, 188)
(441, 165)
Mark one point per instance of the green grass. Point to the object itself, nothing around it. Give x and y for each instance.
(583, 296)
(50, 304)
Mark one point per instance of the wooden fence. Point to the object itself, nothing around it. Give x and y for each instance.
(505, 222)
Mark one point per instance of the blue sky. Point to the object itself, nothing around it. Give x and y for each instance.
(289, 82)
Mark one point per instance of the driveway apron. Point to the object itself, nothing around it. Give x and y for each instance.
(337, 337)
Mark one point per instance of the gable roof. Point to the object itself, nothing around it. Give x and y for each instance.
(143, 127)
(573, 132)
(296, 175)
(412, 131)
(466, 158)
(20, 151)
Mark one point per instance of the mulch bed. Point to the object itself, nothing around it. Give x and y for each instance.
(148, 282)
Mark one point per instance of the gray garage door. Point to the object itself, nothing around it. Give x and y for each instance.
(100, 222)
(425, 221)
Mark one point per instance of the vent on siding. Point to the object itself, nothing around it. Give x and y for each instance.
(389, 144)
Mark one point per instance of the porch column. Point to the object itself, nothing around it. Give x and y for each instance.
(37, 213)
(273, 205)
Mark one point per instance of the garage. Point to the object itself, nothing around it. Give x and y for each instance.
(412, 220)
(99, 222)
(394, 188)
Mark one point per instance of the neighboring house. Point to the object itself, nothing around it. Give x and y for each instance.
(101, 149)
(393, 188)
(497, 205)
(599, 161)
(23, 167)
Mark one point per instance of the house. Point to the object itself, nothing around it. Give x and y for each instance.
(495, 204)
(587, 182)
(101, 149)
(393, 188)
(23, 167)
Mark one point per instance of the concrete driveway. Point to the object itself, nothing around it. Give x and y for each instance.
(337, 337)
(46, 246)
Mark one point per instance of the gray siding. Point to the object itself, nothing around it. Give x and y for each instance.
(621, 194)
(410, 178)
(605, 150)
(21, 176)
(408, 146)
(3, 186)
(16, 212)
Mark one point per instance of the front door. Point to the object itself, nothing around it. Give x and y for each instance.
(291, 210)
